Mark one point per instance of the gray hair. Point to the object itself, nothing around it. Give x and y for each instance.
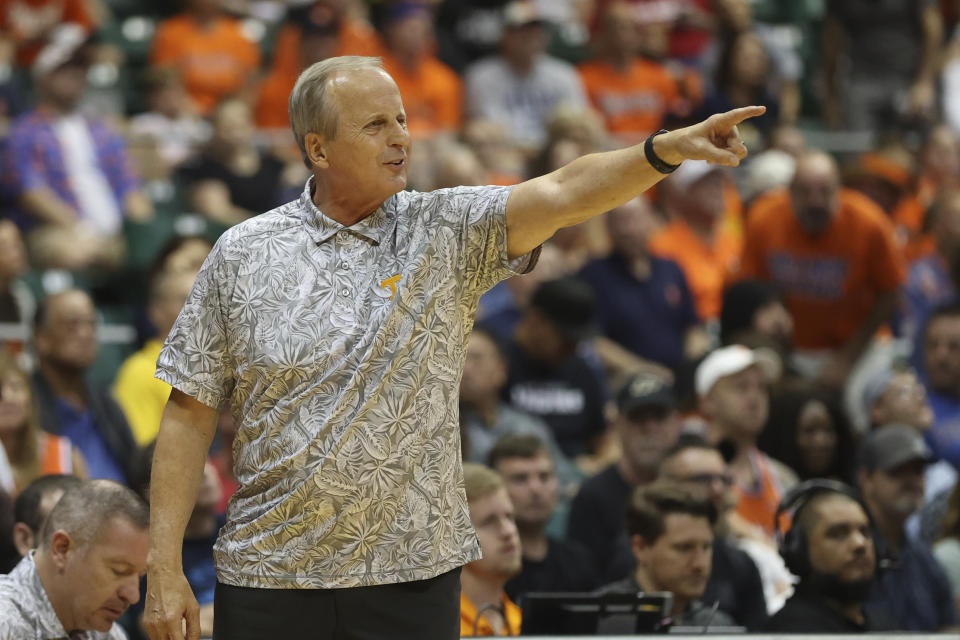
(83, 511)
(310, 109)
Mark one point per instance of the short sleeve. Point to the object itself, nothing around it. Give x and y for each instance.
(195, 358)
(479, 215)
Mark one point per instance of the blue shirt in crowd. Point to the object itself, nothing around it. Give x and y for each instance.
(649, 317)
(79, 427)
(914, 590)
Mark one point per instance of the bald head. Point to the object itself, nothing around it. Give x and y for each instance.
(815, 191)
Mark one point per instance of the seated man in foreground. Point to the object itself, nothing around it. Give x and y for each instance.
(86, 570)
(671, 535)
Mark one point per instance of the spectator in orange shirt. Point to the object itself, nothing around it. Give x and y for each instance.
(30, 23)
(633, 94)
(431, 91)
(208, 48)
(832, 252)
(319, 31)
(704, 235)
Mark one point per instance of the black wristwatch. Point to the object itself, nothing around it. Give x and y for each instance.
(655, 161)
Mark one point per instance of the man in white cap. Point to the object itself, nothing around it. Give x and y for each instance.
(731, 385)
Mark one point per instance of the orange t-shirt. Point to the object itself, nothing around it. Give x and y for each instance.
(706, 266)
(633, 103)
(26, 20)
(468, 617)
(354, 39)
(758, 505)
(214, 62)
(831, 281)
(432, 95)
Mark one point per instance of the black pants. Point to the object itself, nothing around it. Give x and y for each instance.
(422, 610)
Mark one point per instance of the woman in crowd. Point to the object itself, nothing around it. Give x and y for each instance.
(32, 452)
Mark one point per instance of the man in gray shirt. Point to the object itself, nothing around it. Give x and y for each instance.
(336, 325)
(84, 573)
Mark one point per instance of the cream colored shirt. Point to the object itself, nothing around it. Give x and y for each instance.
(341, 350)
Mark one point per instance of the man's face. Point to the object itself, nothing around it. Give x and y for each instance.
(66, 85)
(703, 470)
(484, 371)
(68, 336)
(493, 518)
(370, 153)
(411, 35)
(739, 403)
(941, 352)
(678, 561)
(521, 45)
(839, 542)
(815, 193)
(904, 401)
(775, 320)
(898, 492)
(630, 226)
(645, 435)
(104, 577)
(532, 486)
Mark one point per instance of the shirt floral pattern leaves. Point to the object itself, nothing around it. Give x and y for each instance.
(343, 382)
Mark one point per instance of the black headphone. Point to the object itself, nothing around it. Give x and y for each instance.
(793, 543)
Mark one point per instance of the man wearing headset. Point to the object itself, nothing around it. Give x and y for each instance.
(830, 548)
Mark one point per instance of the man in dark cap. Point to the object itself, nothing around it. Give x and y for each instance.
(912, 586)
(547, 376)
(646, 425)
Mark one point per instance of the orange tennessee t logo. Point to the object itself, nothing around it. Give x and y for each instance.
(391, 283)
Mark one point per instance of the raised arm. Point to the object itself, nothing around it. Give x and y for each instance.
(186, 431)
(598, 182)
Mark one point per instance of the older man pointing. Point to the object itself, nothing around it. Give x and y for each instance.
(336, 325)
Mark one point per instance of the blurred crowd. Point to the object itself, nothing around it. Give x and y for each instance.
(687, 359)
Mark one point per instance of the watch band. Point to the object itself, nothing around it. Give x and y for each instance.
(655, 161)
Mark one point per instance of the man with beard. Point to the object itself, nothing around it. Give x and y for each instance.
(832, 252)
(831, 548)
(913, 588)
(485, 609)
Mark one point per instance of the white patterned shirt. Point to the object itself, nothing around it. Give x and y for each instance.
(26, 612)
(341, 350)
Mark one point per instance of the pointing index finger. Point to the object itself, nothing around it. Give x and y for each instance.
(732, 118)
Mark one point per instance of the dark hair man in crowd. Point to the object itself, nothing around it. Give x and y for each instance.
(549, 564)
(671, 536)
(646, 424)
(86, 570)
(734, 581)
(547, 376)
(485, 609)
(912, 587)
(34, 504)
(64, 335)
(830, 548)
